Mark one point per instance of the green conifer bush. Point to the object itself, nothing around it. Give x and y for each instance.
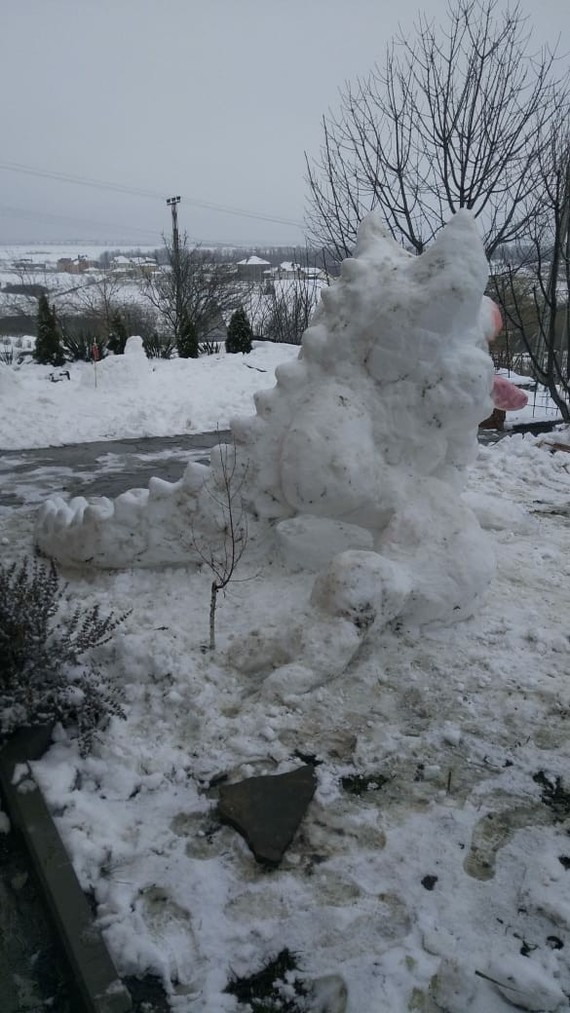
(187, 343)
(240, 334)
(49, 348)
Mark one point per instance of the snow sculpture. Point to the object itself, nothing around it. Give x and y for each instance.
(354, 462)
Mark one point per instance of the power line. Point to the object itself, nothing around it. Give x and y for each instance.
(26, 213)
(15, 212)
(99, 184)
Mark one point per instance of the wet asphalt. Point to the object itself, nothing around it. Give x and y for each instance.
(105, 468)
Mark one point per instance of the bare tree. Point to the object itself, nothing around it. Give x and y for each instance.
(513, 291)
(459, 116)
(222, 551)
(542, 278)
(21, 293)
(281, 309)
(99, 299)
(95, 311)
(290, 310)
(193, 288)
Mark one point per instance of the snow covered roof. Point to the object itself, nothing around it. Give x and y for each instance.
(250, 261)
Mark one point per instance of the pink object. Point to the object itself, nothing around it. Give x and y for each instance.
(506, 396)
(497, 319)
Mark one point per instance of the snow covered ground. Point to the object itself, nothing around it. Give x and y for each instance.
(434, 860)
(115, 400)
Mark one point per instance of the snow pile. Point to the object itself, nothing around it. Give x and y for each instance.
(363, 442)
(116, 372)
(392, 380)
(9, 380)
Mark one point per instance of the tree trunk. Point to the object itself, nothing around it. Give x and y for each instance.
(213, 598)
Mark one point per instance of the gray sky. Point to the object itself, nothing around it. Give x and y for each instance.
(215, 100)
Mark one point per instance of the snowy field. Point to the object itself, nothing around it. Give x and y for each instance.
(432, 869)
(117, 399)
(37, 264)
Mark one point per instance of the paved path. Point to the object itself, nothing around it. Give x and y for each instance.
(104, 468)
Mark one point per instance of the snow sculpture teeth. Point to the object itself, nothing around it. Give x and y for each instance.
(368, 433)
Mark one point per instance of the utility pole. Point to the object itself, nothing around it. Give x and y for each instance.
(173, 203)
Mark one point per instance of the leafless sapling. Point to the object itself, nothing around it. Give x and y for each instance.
(222, 550)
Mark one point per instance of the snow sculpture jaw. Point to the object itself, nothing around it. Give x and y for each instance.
(358, 451)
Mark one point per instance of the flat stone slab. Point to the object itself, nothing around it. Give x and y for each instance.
(267, 810)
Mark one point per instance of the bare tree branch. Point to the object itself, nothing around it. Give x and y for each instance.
(459, 116)
(193, 287)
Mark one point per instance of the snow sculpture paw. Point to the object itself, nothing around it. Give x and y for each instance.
(363, 587)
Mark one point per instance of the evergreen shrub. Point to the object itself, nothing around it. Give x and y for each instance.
(49, 349)
(45, 673)
(240, 334)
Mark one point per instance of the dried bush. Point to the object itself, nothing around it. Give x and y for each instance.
(44, 676)
(6, 355)
(209, 347)
(78, 341)
(159, 346)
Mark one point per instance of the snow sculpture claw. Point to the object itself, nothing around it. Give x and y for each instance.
(355, 459)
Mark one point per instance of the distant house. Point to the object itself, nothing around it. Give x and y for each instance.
(252, 269)
(65, 264)
(25, 288)
(133, 267)
(288, 270)
(74, 265)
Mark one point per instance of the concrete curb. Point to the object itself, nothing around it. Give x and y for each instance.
(99, 986)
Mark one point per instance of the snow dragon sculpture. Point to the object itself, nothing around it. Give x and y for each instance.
(354, 462)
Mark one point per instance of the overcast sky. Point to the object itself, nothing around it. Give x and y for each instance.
(214, 100)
